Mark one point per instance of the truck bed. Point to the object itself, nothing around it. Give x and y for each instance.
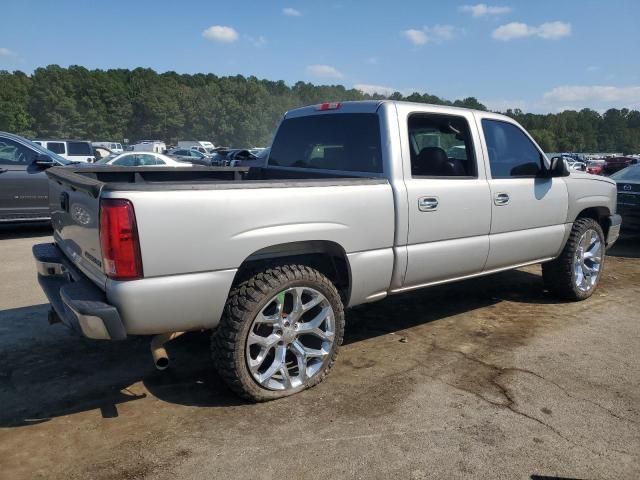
(96, 179)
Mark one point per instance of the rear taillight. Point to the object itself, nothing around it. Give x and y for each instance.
(119, 240)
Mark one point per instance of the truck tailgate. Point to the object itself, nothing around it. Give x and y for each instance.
(75, 215)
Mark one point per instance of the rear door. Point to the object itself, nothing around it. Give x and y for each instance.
(80, 152)
(528, 211)
(448, 195)
(23, 185)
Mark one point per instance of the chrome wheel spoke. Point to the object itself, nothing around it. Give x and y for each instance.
(267, 319)
(277, 364)
(266, 342)
(314, 324)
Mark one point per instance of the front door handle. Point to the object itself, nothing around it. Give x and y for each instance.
(2, 170)
(427, 204)
(501, 199)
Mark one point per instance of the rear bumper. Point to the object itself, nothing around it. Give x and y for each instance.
(615, 222)
(78, 302)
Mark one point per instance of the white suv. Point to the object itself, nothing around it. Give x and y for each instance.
(74, 150)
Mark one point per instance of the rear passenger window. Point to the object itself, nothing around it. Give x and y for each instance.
(56, 147)
(441, 146)
(79, 148)
(511, 152)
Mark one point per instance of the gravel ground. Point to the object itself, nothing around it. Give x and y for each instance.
(487, 378)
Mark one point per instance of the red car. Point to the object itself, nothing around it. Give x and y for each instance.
(595, 168)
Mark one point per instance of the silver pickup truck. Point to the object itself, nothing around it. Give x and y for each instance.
(356, 201)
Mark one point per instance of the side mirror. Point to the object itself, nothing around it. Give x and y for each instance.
(45, 161)
(558, 168)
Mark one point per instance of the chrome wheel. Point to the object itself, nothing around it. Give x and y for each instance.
(290, 339)
(587, 262)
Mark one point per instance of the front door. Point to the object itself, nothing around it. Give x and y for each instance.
(23, 185)
(528, 211)
(449, 202)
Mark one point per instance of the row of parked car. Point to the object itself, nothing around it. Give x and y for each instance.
(24, 188)
(23, 183)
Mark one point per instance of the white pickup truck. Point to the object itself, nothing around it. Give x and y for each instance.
(356, 201)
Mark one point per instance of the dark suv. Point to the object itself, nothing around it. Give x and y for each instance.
(24, 189)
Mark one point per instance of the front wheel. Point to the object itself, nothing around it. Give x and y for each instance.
(575, 274)
(279, 333)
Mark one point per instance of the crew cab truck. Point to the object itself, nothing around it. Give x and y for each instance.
(355, 201)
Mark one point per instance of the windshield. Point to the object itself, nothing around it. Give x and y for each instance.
(344, 141)
(627, 174)
(54, 156)
(105, 160)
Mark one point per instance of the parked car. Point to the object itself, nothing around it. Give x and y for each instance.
(24, 189)
(155, 146)
(200, 145)
(349, 207)
(614, 164)
(628, 183)
(74, 150)
(240, 154)
(115, 147)
(189, 155)
(102, 152)
(595, 168)
(141, 159)
(573, 165)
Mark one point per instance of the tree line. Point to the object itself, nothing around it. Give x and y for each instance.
(120, 104)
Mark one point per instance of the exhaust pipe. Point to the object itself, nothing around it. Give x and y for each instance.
(158, 352)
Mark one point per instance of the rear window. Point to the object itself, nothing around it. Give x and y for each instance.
(346, 141)
(79, 148)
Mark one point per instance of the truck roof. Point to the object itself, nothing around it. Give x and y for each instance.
(372, 106)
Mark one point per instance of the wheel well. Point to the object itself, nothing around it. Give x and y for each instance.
(327, 257)
(599, 214)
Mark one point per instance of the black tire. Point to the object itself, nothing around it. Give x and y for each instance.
(559, 275)
(246, 300)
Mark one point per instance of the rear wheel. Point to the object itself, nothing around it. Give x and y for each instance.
(575, 274)
(279, 333)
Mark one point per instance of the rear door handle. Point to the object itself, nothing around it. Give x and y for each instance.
(2, 170)
(501, 199)
(427, 204)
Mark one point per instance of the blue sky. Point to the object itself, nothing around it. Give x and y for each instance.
(538, 55)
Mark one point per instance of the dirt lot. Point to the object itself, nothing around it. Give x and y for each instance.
(489, 378)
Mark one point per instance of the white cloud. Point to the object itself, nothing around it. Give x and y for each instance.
(435, 34)
(221, 33)
(548, 31)
(417, 37)
(593, 68)
(5, 52)
(291, 12)
(323, 71)
(372, 60)
(595, 96)
(554, 30)
(482, 10)
(371, 89)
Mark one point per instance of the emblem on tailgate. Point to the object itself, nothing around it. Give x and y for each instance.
(93, 259)
(80, 214)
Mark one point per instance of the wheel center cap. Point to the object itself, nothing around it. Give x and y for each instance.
(289, 334)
